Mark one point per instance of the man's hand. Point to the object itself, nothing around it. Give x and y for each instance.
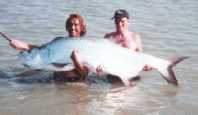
(19, 45)
(99, 70)
(16, 44)
(82, 70)
(147, 68)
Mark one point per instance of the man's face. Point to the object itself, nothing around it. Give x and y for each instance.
(121, 24)
(74, 28)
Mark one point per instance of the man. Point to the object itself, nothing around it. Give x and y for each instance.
(76, 28)
(122, 36)
(125, 38)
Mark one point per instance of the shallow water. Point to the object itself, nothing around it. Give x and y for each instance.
(168, 28)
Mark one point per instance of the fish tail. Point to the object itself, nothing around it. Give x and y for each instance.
(171, 78)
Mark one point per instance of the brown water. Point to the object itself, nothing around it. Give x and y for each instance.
(168, 28)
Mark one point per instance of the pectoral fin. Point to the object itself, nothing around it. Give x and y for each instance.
(125, 81)
(125, 77)
(60, 67)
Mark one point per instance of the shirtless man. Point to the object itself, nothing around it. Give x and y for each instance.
(122, 35)
(76, 28)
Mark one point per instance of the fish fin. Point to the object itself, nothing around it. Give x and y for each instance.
(131, 82)
(175, 61)
(58, 65)
(28, 73)
(171, 78)
(124, 77)
(125, 81)
(66, 67)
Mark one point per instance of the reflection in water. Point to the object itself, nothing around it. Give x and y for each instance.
(169, 90)
(130, 101)
(83, 99)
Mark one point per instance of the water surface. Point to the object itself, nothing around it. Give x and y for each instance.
(168, 28)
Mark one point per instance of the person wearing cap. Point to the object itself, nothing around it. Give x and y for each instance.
(122, 35)
(125, 38)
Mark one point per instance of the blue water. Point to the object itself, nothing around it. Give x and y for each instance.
(168, 28)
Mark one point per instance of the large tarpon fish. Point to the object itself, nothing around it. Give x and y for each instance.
(112, 58)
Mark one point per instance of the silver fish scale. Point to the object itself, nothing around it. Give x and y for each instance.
(112, 58)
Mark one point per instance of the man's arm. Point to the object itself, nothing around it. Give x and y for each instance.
(82, 70)
(138, 42)
(18, 44)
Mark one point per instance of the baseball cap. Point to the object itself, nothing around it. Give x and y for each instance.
(120, 13)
